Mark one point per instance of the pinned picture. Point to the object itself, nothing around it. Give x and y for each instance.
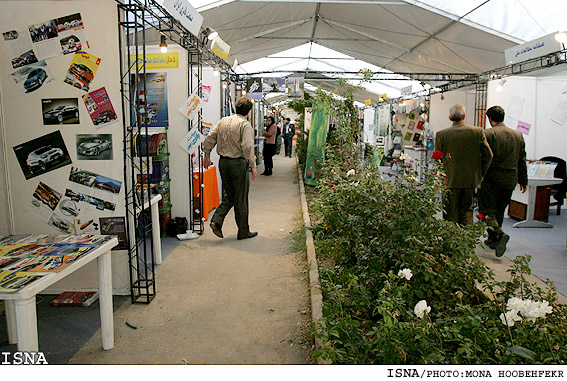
(42, 155)
(82, 70)
(411, 125)
(44, 202)
(191, 106)
(94, 147)
(100, 108)
(408, 136)
(420, 125)
(33, 76)
(60, 111)
(192, 140)
(115, 226)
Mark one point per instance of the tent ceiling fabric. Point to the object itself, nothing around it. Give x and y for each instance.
(396, 35)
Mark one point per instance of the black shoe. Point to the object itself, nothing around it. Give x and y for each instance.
(501, 245)
(490, 244)
(250, 235)
(268, 174)
(216, 229)
(263, 173)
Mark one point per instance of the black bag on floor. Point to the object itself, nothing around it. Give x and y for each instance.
(177, 225)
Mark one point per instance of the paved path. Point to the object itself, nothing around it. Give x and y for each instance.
(224, 301)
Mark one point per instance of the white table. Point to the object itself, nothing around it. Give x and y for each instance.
(21, 316)
(533, 183)
(156, 237)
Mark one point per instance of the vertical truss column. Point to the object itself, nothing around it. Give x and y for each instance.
(132, 27)
(480, 104)
(195, 75)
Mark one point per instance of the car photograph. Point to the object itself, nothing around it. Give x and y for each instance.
(42, 157)
(94, 147)
(61, 113)
(104, 117)
(35, 79)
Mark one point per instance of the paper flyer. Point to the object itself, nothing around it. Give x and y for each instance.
(33, 76)
(58, 36)
(192, 141)
(82, 70)
(100, 108)
(191, 106)
(152, 100)
(524, 127)
(19, 48)
(206, 92)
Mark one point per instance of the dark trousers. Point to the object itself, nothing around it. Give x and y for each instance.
(235, 186)
(492, 202)
(457, 205)
(288, 139)
(269, 151)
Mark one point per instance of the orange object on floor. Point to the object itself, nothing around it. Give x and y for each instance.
(210, 191)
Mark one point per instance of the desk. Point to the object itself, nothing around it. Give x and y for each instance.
(21, 313)
(209, 191)
(156, 236)
(533, 184)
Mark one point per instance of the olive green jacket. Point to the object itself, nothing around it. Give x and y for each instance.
(508, 166)
(469, 154)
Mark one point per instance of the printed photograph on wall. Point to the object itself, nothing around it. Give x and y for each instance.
(100, 108)
(274, 85)
(19, 48)
(58, 37)
(115, 226)
(82, 70)
(44, 202)
(295, 86)
(60, 111)
(71, 33)
(42, 155)
(33, 76)
(60, 223)
(86, 225)
(152, 100)
(254, 88)
(94, 147)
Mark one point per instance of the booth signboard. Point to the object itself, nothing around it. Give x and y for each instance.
(183, 12)
(532, 49)
(316, 144)
(220, 48)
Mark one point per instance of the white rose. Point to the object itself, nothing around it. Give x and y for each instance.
(351, 172)
(537, 310)
(405, 156)
(421, 308)
(510, 318)
(405, 273)
(515, 304)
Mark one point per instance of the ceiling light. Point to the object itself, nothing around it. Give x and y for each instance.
(561, 37)
(500, 85)
(163, 44)
(243, 92)
(210, 33)
(216, 72)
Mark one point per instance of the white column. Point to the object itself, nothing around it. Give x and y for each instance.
(156, 238)
(105, 300)
(11, 322)
(26, 326)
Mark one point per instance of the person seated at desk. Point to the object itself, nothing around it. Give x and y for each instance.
(507, 169)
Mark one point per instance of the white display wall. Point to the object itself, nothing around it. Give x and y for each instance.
(439, 108)
(23, 122)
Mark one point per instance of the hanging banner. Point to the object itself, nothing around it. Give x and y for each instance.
(153, 94)
(192, 140)
(273, 85)
(316, 144)
(254, 88)
(183, 12)
(191, 106)
(168, 60)
(220, 48)
(295, 87)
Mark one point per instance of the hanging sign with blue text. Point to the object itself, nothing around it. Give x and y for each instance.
(183, 12)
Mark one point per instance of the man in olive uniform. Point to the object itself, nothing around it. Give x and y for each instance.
(508, 168)
(468, 160)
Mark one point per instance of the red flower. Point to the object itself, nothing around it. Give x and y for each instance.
(331, 185)
(437, 155)
(448, 155)
(480, 216)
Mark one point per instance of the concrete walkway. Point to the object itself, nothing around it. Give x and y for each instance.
(224, 301)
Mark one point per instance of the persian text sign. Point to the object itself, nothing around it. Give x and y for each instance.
(183, 12)
(161, 60)
(191, 141)
(532, 49)
(220, 48)
(191, 106)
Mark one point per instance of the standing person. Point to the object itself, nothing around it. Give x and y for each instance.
(468, 158)
(288, 134)
(508, 168)
(234, 137)
(278, 139)
(269, 146)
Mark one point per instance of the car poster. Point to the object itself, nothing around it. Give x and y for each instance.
(32, 77)
(82, 70)
(44, 201)
(152, 93)
(94, 147)
(59, 36)
(19, 48)
(60, 111)
(12, 281)
(100, 108)
(42, 155)
(115, 226)
(94, 189)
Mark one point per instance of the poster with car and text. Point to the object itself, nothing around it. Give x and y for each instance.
(60, 111)
(42, 155)
(32, 77)
(60, 36)
(94, 189)
(44, 201)
(82, 71)
(151, 100)
(115, 226)
(19, 48)
(94, 146)
(100, 108)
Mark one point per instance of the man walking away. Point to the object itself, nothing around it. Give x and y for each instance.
(288, 134)
(234, 138)
(508, 168)
(468, 157)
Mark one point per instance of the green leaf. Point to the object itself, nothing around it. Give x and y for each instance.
(522, 352)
